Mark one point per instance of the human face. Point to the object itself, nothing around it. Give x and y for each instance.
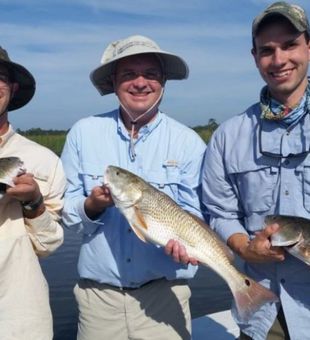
(282, 56)
(138, 83)
(5, 89)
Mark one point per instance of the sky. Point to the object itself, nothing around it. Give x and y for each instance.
(61, 41)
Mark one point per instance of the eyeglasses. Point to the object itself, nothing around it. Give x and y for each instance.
(278, 155)
(151, 75)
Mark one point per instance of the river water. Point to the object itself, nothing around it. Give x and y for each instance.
(209, 292)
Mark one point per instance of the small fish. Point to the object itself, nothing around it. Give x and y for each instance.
(156, 218)
(293, 235)
(10, 167)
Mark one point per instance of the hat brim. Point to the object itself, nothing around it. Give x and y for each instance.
(26, 82)
(174, 68)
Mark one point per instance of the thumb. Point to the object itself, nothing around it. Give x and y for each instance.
(271, 229)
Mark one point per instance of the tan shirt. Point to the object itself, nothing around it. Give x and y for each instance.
(24, 302)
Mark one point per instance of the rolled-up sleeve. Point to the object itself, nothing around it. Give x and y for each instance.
(45, 231)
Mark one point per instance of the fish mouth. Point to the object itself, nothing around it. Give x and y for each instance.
(105, 180)
(106, 177)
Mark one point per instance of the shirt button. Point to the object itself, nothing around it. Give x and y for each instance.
(282, 280)
(286, 192)
(129, 230)
(128, 260)
(286, 162)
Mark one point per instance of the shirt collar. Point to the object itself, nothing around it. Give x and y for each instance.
(4, 138)
(144, 130)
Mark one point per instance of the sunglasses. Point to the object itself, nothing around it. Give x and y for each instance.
(277, 155)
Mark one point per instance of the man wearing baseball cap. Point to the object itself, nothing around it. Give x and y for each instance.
(30, 207)
(129, 289)
(258, 164)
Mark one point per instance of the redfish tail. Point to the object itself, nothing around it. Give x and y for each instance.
(250, 296)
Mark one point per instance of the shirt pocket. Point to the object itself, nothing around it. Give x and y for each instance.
(166, 180)
(257, 188)
(43, 181)
(91, 175)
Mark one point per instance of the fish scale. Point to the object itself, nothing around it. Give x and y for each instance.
(156, 218)
(165, 214)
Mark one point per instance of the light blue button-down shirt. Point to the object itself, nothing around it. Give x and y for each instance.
(168, 155)
(241, 186)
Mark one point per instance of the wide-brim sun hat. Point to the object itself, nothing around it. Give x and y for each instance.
(174, 67)
(293, 13)
(18, 74)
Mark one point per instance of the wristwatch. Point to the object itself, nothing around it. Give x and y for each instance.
(33, 205)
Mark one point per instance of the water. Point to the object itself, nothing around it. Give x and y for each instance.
(209, 292)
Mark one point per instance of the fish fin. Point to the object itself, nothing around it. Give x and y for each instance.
(140, 218)
(301, 251)
(139, 224)
(138, 232)
(250, 296)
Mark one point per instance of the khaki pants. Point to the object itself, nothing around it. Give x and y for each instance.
(156, 311)
(278, 330)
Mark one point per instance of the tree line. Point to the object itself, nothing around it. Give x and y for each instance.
(55, 139)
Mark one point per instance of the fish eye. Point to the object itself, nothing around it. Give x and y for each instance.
(247, 282)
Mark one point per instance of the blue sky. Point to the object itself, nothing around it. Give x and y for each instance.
(61, 42)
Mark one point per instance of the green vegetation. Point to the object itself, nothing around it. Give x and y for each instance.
(55, 139)
(206, 131)
(52, 139)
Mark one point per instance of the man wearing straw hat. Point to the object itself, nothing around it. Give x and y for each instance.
(30, 205)
(129, 289)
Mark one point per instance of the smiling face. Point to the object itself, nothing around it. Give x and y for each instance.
(7, 90)
(282, 56)
(138, 83)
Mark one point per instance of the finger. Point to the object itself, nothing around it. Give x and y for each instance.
(278, 257)
(24, 179)
(176, 251)
(193, 261)
(277, 250)
(182, 254)
(268, 231)
(169, 247)
(105, 190)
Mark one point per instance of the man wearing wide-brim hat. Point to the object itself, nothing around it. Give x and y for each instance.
(32, 183)
(128, 288)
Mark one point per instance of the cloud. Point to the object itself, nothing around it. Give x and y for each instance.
(61, 41)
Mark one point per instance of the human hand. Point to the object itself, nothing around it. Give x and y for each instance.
(26, 189)
(178, 252)
(258, 249)
(98, 200)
